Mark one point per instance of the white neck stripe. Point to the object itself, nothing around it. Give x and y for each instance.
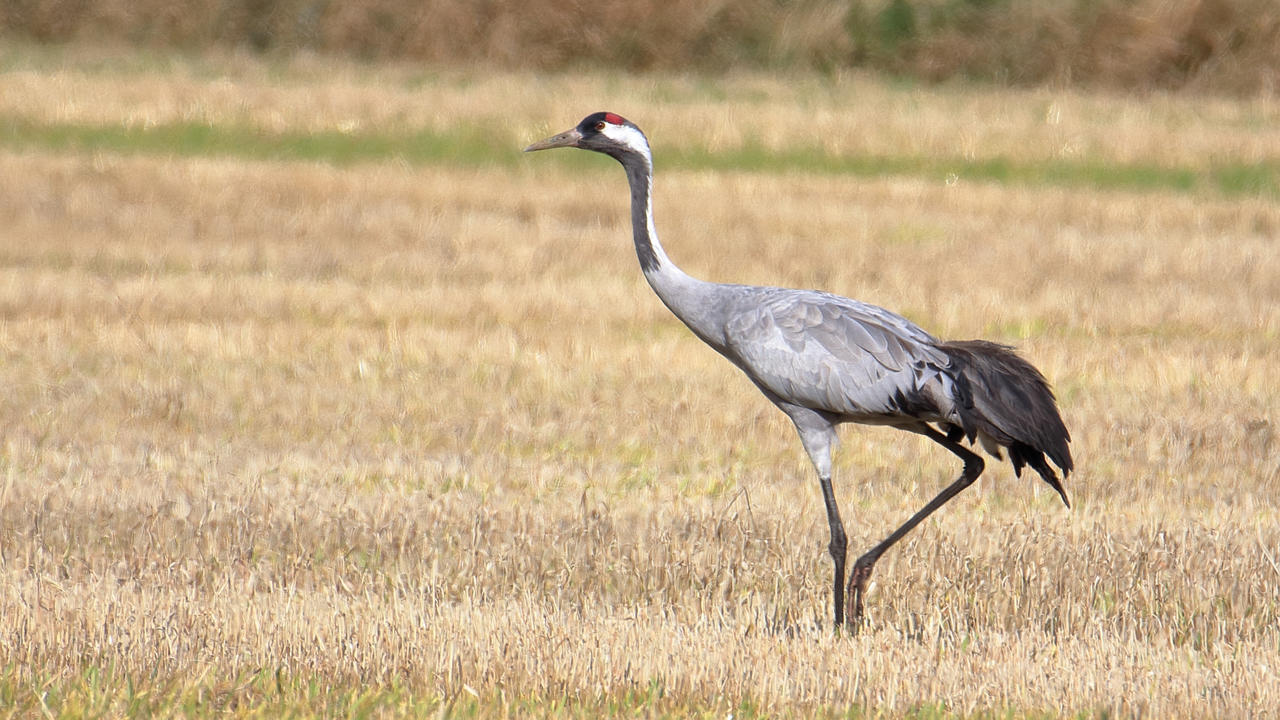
(628, 136)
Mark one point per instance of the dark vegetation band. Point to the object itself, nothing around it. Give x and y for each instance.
(1214, 46)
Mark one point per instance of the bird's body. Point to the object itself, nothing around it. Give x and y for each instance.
(824, 360)
(836, 355)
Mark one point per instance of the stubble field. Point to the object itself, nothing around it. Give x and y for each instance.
(319, 398)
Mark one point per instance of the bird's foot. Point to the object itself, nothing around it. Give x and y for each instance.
(857, 590)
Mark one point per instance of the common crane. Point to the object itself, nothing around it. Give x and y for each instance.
(826, 360)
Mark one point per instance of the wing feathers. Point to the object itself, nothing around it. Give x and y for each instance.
(830, 353)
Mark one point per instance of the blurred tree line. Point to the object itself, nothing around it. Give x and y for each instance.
(1219, 46)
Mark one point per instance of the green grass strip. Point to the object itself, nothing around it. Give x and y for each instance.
(236, 141)
(479, 145)
(1230, 179)
(102, 692)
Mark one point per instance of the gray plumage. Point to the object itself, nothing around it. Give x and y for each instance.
(826, 360)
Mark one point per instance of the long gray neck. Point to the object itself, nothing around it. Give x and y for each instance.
(648, 249)
(692, 300)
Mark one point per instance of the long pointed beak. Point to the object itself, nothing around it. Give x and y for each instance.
(568, 138)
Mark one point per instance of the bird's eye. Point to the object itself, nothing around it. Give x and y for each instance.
(600, 126)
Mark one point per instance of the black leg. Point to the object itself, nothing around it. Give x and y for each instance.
(838, 547)
(973, 466)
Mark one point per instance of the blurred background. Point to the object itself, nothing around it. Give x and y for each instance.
(1218, 46)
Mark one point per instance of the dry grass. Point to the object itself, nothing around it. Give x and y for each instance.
(850, 113)
(427, 428)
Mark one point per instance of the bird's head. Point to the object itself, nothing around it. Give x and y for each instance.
(603, 132)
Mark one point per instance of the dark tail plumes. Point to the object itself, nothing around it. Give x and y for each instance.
(1005, 397)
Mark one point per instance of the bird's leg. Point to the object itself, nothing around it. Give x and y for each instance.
(861, 573)
(838, 547)
(818, 435)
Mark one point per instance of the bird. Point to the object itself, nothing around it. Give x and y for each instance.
(825, 360)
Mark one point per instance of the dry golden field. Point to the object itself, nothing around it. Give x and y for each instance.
(391, 437)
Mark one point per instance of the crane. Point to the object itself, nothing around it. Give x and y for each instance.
(825, 360)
